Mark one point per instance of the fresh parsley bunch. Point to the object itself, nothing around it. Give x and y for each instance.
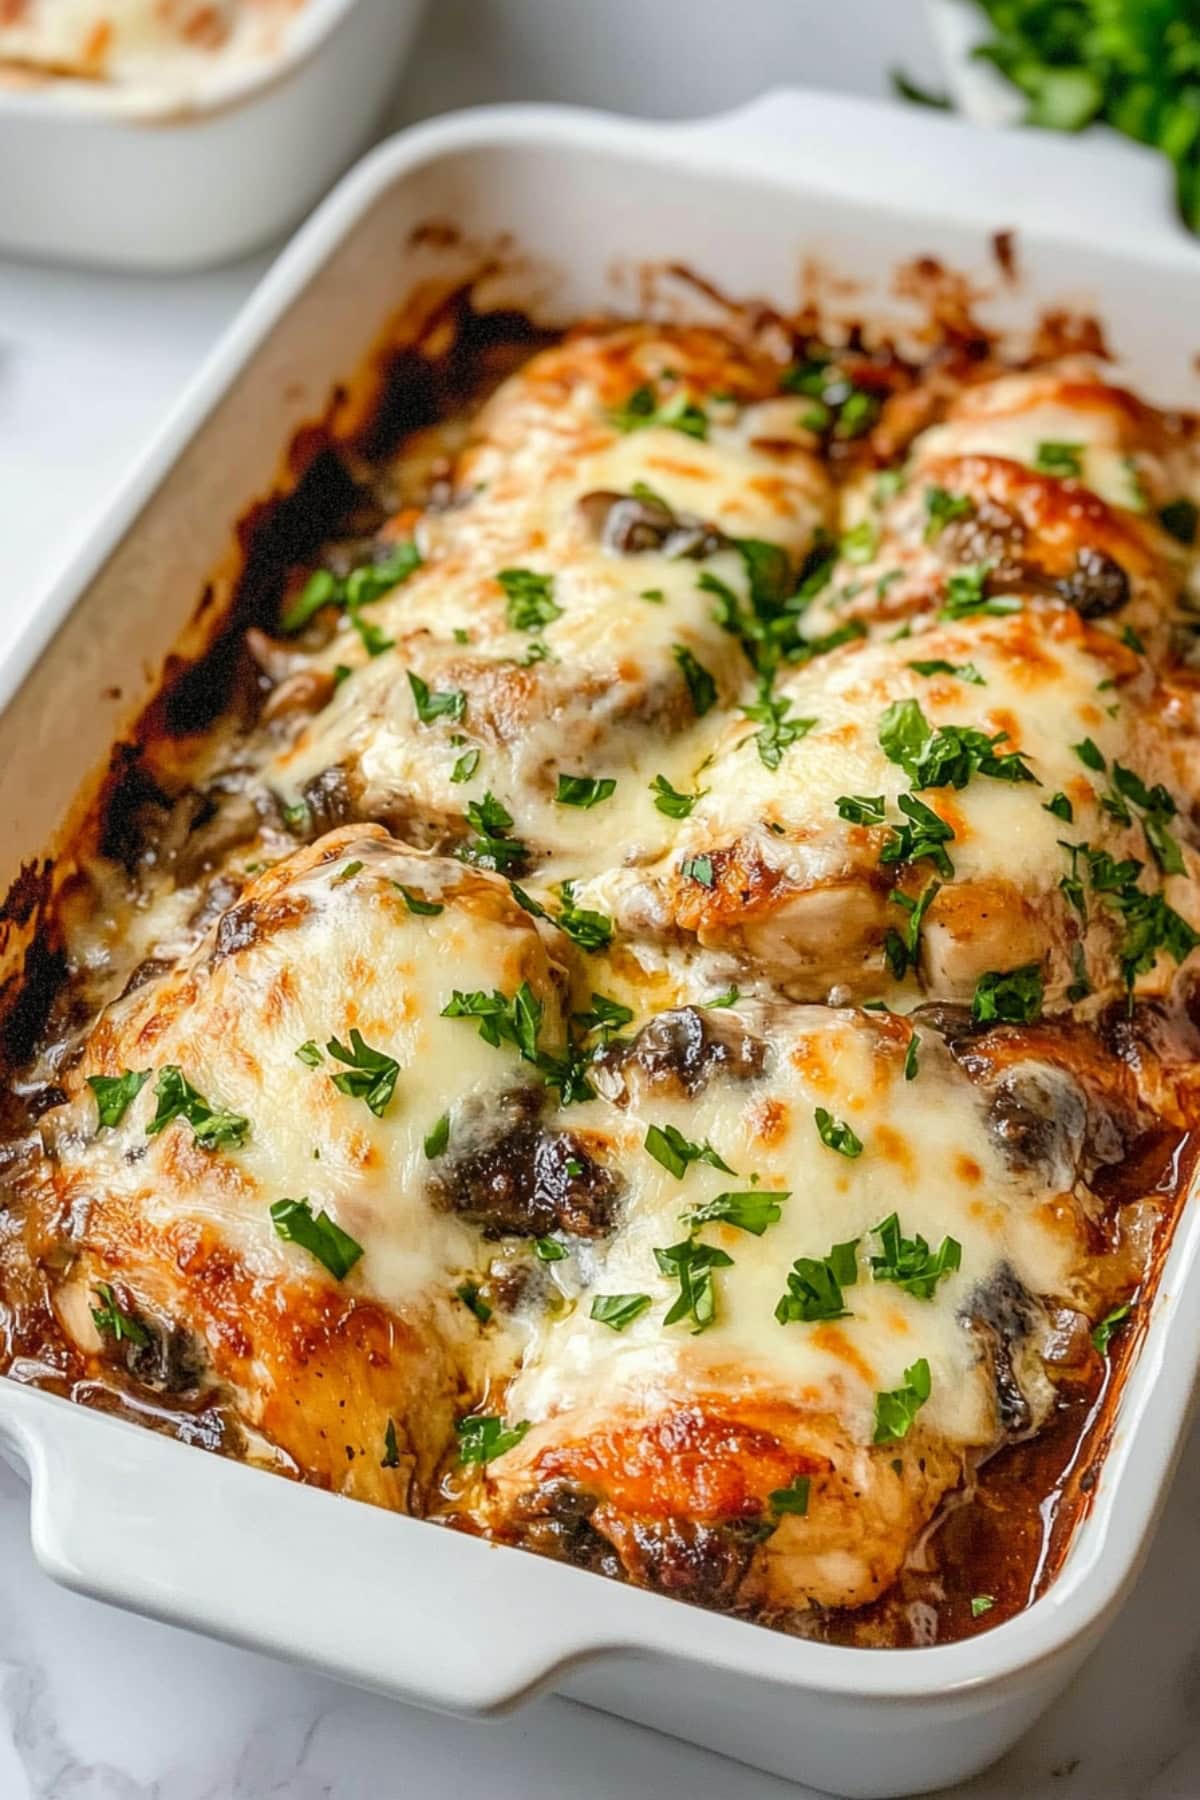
(1135, 64)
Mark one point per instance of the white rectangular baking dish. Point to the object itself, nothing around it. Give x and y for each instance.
(422, 1613)
(95, 175)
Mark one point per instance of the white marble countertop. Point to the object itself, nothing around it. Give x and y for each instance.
(96, 1705)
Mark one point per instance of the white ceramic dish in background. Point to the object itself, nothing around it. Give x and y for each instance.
(398, 1604)
(93, 174)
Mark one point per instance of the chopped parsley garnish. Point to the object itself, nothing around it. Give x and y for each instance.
(584, 791)
(437, 1139)
(902, 951)
(424, 909)
(752, 1211)
(178, 1099)
(449, 703)
(297, 815)
(643, 409)
(334, 1248)
(370, 1075)
(815, 1286)
(941, 508)
(777, 732)
(1150, 924)
(835, 1134)
(359, 588)
(859, 544)
(923, 837)
(474, 1301)
(491, 847)
(655, 596)
(115, 1093)
(482, 1438)
(1157, 806)
(692, 1265)
(1091, 755)
(548, 1249)
(310, 1053)
(668, 1146)
(791, 1499)
(861, 809)
(808, 648)
(517, 1020)
(1102, 1335)
(604, 1016)
(1131, 640)
(1054, 458)
(391, 1449)
(699, 868)
(910, 1058)
(346, 874)
(966, 595)
(465, 767)
(730, 997)
(909, 1263)
(980, 1604)
(895, 1411)
(700, 684)
(618, 1310)
(1180, 518)
(530, 597)
(961, 671)
(1013, 996)
(948, 756)
(838, 404)
(590, 930)
(670, 801)
(109, 1318)
(373, 640)
(1061, 807)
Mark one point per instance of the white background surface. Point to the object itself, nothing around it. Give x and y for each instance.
(95, 1705)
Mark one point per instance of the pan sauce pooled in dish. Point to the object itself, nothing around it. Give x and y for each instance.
(648, 1015)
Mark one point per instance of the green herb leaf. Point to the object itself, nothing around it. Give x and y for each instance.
(778, 731)
(692, 1264)
(895, 1411)
(670, 801)
(910, 1058)
(605, 1016)
(643, 409)
(450, 703)
(966, 596)
(438, 1138)
(1054, 458)
(346, 874)
(391, 1449)
(1180, 518)
(700, 684)
(370, 1075)
(114, 1094)
(424, 909)
(548, 1249)
(903, 951)
(861, 809)
(334, 1248)
(178, 1099)
(1061, 807)
(530, 596)
(1011, 995)
(618, 1310)
(791, 1499)
(941, 507)
(589, 929)
(474, 1301)
(584, 791)
(835, 1134)
(360, 587)
(698, 868)
(1102, 1335)
(949, 756)
(815, 1286)
(752, 1211)
(310, 1053)
(909, 1263)
(480, 1439)
(980, 1604)
(1090, 755)
(668, 1146)
(465, 767)
(110, 1319)
(492, 847)
(373, 640)
(961, 671)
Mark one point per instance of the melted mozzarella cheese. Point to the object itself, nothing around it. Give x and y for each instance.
(926, 1155)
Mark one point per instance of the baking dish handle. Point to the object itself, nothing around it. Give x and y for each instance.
(1098, 189)
(433, 1617)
